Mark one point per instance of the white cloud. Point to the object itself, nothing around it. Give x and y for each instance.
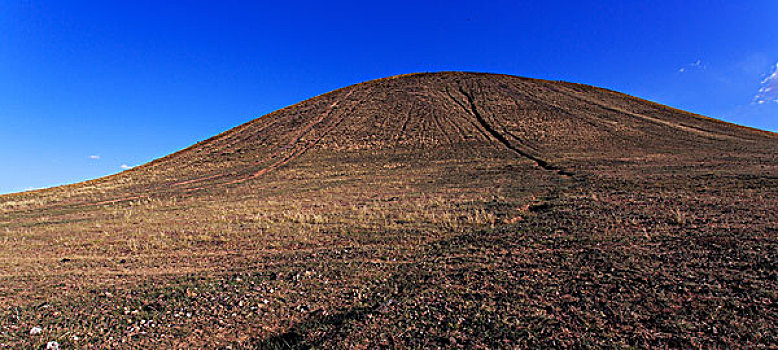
(125, 166)
(696, 65)
(94, 157)
(768, 92)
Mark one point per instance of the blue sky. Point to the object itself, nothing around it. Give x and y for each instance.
(87, 87)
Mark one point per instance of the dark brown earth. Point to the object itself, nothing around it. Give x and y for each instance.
(441, 210)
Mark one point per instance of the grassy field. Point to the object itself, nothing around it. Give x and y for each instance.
(423, 211)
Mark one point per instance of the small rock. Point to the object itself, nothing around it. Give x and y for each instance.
(52, 345)
(36, 330)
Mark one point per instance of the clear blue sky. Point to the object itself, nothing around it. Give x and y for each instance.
(89, 86)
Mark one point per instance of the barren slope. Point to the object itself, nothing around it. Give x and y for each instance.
(555, 124)
(446, 209)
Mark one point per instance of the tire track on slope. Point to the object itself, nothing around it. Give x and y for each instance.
(657, 121)
(440, 127)
(298, 151)
(603, 125)
(540, 162)
(305, 130)
(405, 123)
(460, 132)
(475, 125)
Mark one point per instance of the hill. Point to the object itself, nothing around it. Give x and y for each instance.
(423, 210)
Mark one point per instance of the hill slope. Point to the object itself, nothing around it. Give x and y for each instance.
(445, 209)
